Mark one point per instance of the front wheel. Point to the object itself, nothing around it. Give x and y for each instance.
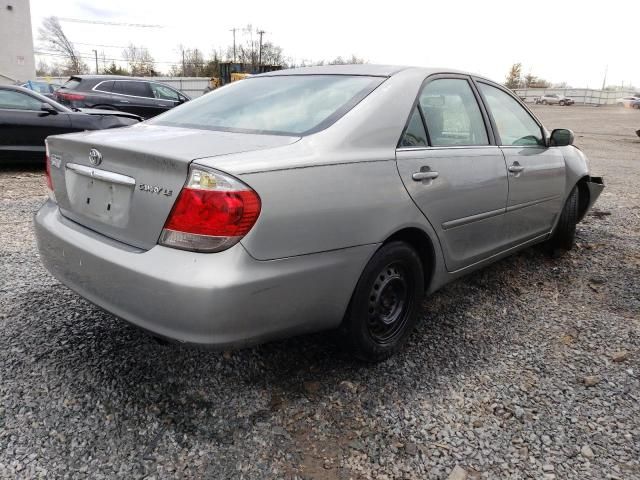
(386, 302)
(565, 232)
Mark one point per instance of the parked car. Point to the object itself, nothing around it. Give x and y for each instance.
(44, 88)
(317, 198)
(626, 101)
(27, 118)
(635, 104)
(554, 99)
(136, 95)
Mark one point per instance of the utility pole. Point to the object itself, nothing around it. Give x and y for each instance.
(604, 80)
(95, 52)
(260, 32)
(234, 43)
(183, 66)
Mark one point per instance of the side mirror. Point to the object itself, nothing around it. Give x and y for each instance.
(181, 99)
(561, 137)
(45, 107)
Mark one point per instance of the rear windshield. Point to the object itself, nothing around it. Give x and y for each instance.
(71, 83)
(285, 105)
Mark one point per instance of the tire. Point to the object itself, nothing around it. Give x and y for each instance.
(564, 234)
(544, 102)
(385, 304)
(562, 103)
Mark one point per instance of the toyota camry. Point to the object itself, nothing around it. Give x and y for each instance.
(332, 197)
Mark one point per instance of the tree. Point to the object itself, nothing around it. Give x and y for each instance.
(514, 77)
(140, 61)
(54, 38)
(114, 69)
(347, 61)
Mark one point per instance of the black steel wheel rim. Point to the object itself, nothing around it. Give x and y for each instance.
(389, 301)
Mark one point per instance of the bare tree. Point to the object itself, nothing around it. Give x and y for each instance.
(140, 61)
(54, 38)
(347, 61)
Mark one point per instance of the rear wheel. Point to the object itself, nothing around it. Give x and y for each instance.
(565, 232)
(544, 102)
(385, 305)
(562, 103)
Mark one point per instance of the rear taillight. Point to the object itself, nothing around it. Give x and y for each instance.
(47, 161)
(212, 212)
(70, 96)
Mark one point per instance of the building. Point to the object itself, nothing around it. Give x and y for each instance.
(17, 63)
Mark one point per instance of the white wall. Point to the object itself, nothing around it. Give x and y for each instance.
(16, 43)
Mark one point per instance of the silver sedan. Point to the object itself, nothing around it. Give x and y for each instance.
(331, 197)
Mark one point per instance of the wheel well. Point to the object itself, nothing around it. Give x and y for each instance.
(583, 197)
(419, 240)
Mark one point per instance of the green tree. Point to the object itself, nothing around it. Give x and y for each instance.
(114, 69)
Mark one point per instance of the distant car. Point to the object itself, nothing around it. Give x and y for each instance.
(136, 95)
(636, 104)
(554, 99)
(27, 118)
(627, 101)
(44, 88)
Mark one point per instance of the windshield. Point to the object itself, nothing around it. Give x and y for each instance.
(285, 105)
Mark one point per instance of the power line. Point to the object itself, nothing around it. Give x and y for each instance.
(115, 24)
(100, 45)
(86, 56)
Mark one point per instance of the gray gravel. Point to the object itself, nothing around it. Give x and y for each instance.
(527, 369)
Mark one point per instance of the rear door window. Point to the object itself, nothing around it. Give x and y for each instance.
(452, 113)
(137, 89)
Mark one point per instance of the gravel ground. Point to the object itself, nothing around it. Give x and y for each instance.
(527, 369)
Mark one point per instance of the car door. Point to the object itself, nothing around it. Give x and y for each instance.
(134, 96)
(24, 126)
(536, 171)
(165, 98)
(453, 171)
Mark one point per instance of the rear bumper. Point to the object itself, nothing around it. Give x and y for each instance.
(220, 299)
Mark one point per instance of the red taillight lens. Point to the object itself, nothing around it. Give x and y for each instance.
(212, 213)
(70, 96)
(217, 213)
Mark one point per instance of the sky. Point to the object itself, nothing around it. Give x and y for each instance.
(561, 41)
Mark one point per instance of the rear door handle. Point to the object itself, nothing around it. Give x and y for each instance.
(424, 175)
(516, 168)
(125, 101)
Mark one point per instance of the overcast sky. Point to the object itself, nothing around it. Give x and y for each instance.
(571, 41)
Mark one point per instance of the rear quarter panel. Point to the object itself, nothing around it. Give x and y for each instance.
(315, 209)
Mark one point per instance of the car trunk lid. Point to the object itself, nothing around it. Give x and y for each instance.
(123, 183)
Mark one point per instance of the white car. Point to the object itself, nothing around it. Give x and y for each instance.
(626, 101)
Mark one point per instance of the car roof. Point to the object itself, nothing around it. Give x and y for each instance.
(365, 69)
(108, 77)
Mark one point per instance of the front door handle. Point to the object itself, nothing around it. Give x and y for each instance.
(516, 168)
(125, 101)
(425, 173)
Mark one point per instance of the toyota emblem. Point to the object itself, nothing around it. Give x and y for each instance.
(95, 157)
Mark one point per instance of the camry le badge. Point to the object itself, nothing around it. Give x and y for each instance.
(95, 157)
